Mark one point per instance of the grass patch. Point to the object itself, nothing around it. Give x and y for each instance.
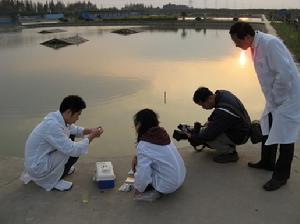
(290, 36)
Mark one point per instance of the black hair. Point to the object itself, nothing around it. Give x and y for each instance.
(147, 119)
(241, 30)
(201, 94)
(72, 102)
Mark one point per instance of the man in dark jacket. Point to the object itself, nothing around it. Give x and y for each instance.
(227, 126)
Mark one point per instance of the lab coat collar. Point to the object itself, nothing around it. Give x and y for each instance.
(256, 39)
(60, 118)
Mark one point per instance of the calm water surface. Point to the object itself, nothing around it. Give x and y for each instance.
(117, 76)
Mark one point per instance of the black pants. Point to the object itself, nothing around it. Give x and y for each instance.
(71, 161)
(282, 167)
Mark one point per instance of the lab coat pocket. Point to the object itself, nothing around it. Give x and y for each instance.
(261, 69)
(261, 66)
(280, 97)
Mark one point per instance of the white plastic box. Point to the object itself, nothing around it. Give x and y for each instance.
(105, 177)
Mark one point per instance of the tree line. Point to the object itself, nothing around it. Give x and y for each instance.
(28, 7)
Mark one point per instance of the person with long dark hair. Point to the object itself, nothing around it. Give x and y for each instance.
(158, 166)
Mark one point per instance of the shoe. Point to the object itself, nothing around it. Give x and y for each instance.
(25, 177)
(148, 196)
(261, 165)
(63, 185)
(227, 158)
(71, 171)
(273, 184)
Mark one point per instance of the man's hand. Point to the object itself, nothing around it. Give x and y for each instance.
(188, 134)
(87, 131)
(194, 141)
(95, 133)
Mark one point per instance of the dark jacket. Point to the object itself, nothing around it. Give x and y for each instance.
(235, 122)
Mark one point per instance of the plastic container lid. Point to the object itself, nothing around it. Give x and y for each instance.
(104, 171)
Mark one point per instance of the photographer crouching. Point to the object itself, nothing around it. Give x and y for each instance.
(227, 126)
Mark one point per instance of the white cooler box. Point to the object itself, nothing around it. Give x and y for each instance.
(105, 177)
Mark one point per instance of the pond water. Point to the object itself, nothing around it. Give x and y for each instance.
(117, 76)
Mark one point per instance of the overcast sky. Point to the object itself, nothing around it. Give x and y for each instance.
(201, 3)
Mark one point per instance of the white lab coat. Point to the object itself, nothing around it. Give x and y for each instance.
(159, 165)
(280, 82)
(48, 148)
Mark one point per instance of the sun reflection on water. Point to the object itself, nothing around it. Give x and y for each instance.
(243, 58)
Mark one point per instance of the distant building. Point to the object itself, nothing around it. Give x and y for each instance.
(118, 14)
(55, 16)
(175, 7)
(282, 13)
(48, 18)
(28, 19)
(7, 21)
(88, 16)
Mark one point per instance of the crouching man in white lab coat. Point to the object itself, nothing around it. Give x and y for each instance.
(280, 82)
(50, 153)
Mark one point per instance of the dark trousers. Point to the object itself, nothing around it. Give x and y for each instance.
(71, 161)
(282, 167)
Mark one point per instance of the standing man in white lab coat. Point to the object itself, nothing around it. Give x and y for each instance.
(50, 153)
(280, 82)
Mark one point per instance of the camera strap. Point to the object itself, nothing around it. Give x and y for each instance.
(199, 149)
(239, 114)
(227, 111)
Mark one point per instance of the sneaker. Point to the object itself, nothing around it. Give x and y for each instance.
(63, 185)
(71, 170)
(273, 184)
(226, 158)
(262, 166)
(148, 196)
(25, 177)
